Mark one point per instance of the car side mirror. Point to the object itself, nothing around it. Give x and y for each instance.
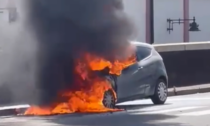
(125, 69)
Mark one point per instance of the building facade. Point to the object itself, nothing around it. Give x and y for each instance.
(173, 9)
(139, 12)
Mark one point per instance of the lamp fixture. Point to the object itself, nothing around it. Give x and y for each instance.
(193, 26)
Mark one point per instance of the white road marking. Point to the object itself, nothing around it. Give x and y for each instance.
(169, 110)
(196, 113)
(189, 99)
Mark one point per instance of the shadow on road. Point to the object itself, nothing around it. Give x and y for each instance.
(124, 118)
(119, 119)
(139, 106)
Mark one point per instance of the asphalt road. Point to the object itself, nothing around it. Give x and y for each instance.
(188, 110)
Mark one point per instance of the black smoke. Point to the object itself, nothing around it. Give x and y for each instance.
(64, 29)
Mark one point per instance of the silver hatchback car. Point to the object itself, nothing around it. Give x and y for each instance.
(147, 78)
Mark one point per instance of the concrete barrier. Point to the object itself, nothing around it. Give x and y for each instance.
(187, 64)
(182, 46)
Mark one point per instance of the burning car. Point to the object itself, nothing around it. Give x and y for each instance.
(80, 60)
(144, 78)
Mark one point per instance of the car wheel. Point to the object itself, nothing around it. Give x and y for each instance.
(161, 92)
(109, 99)
(111, 80)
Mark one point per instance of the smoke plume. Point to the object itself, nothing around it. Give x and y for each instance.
(62, 30)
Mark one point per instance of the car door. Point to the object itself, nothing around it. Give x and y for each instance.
(145, 75)
(132, 80)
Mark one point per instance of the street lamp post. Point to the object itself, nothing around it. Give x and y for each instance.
(151, 21)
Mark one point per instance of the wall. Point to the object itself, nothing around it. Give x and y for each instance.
(137, 11)
(4, 17)
(191, 68)
(173, 9)
(164, 9)
(4, 13)
(200, 9)
(186, 63)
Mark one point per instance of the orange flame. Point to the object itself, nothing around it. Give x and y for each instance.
(87, 94)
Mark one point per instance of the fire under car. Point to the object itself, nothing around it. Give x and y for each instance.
(147, 78)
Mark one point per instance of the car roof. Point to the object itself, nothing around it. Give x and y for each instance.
(137, 43)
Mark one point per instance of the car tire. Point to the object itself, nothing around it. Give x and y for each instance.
(109, 99)
(161, 92)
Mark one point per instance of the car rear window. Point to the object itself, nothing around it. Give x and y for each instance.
(143, 52)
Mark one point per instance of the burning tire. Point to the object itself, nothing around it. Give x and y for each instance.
(109, 99)
(112, 81)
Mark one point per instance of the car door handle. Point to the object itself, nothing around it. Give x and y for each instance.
(140, 67)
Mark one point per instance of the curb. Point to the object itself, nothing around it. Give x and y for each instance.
(8, 112)
(188, 90)
(12, 110)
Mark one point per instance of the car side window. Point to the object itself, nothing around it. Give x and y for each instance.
(142, 52)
